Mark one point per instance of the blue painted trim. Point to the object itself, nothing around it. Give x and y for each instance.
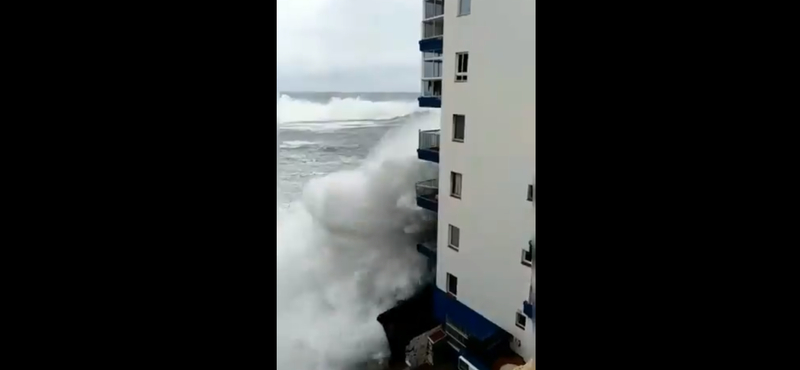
(428, 204)
(428, 155)
(429, 102)
(431, 45)
(477, 326)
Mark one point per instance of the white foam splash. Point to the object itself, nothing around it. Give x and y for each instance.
(343, 254)
(294, 144)
(298, 114)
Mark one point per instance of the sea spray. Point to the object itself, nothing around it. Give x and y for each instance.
(346, 251)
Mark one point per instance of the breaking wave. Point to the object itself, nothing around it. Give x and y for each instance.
(346, 251)
(342, 113)
(294, 144)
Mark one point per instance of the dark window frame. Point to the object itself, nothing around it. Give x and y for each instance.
(463, 123)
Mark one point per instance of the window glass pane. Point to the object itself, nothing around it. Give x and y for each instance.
(452, 284)
(458, 127)
(464, 7)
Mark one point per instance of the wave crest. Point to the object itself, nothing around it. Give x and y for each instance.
(351, 111)
(346, 253)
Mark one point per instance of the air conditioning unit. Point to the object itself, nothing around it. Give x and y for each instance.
(463, 364)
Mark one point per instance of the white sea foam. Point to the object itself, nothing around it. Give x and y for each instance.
(338, 113)
(343, 255)
(294, 144)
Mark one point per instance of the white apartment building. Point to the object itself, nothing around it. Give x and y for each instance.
(479, 68)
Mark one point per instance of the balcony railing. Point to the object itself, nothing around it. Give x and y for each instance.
(432, 69)
(427, 249)
(431, 45)
(429, 139)
(529, 310)
(428, 194)
(428, 188)
(429, 102)
(431, 88)
(429, 145)
(434, 8)
(432, 55)
(455, 332)
(433, 28)
(431, 93)
(529, 306)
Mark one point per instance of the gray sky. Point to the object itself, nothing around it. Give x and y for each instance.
(349, 45)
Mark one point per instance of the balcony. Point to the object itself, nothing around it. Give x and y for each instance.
(431, 45)
(529, 305)
(529, 310)
(432, 69)
(427, 249)
(430, 101)
(428, 149)
(431, 95)
(467, 329)
(428, 194)
(432, 56)
(432, 35)
(532, 249)
(408, 319)
(433, 9)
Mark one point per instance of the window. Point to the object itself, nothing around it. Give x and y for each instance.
(464, 7)
(527, 257)
(452, 285)
(453, 237)
(521, 319)
(530, 193)
(458, 127)
(462, 60)
(455, 185)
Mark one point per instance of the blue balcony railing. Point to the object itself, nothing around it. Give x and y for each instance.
(432, 45)
(428, 194)
(428, 149)
(430, 102)
(529, 309)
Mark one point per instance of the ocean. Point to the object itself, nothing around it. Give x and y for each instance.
(347, 223)
(322, 133)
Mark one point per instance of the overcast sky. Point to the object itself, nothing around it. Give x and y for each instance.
(349, 45)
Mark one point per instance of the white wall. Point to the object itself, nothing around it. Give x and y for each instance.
(496, 160)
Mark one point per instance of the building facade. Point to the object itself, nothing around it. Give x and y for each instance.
(478, 67)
